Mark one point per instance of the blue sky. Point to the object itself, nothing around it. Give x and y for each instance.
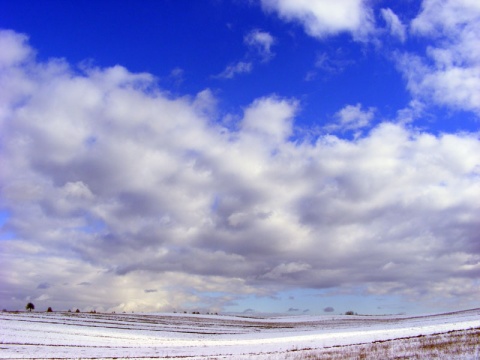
(268, 156)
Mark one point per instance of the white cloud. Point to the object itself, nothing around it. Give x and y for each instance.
(323, 18)
(287, 270)
(394, 24)
(413, 111)
(109, 182)
(439, 17)
(270, 119)
(14, 48)
(449, 73)
(352, 117)
(261, 42)
(241, 67)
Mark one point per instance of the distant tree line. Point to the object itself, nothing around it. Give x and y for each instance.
(30, 306)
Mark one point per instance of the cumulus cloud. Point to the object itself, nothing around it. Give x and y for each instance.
(325, 18)
(261, 42)
(269, 119)
(109, 182)
(15, 48)
(449, 72)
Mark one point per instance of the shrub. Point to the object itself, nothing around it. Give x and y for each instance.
(49, 309)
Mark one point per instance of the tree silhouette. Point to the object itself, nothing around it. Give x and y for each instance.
(30, 306)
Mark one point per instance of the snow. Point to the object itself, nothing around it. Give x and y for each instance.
(70, 335)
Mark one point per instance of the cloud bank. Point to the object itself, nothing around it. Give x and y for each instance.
(121, 196)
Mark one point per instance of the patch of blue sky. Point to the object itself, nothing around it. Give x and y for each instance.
(7, 235)
(4, 233)
(93, 226)
(4, 216)
(322, 301)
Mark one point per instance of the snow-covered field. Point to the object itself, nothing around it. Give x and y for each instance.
(98, 336)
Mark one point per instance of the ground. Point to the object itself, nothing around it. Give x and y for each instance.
(62, 335)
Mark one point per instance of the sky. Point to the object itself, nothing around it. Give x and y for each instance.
(240, 156)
